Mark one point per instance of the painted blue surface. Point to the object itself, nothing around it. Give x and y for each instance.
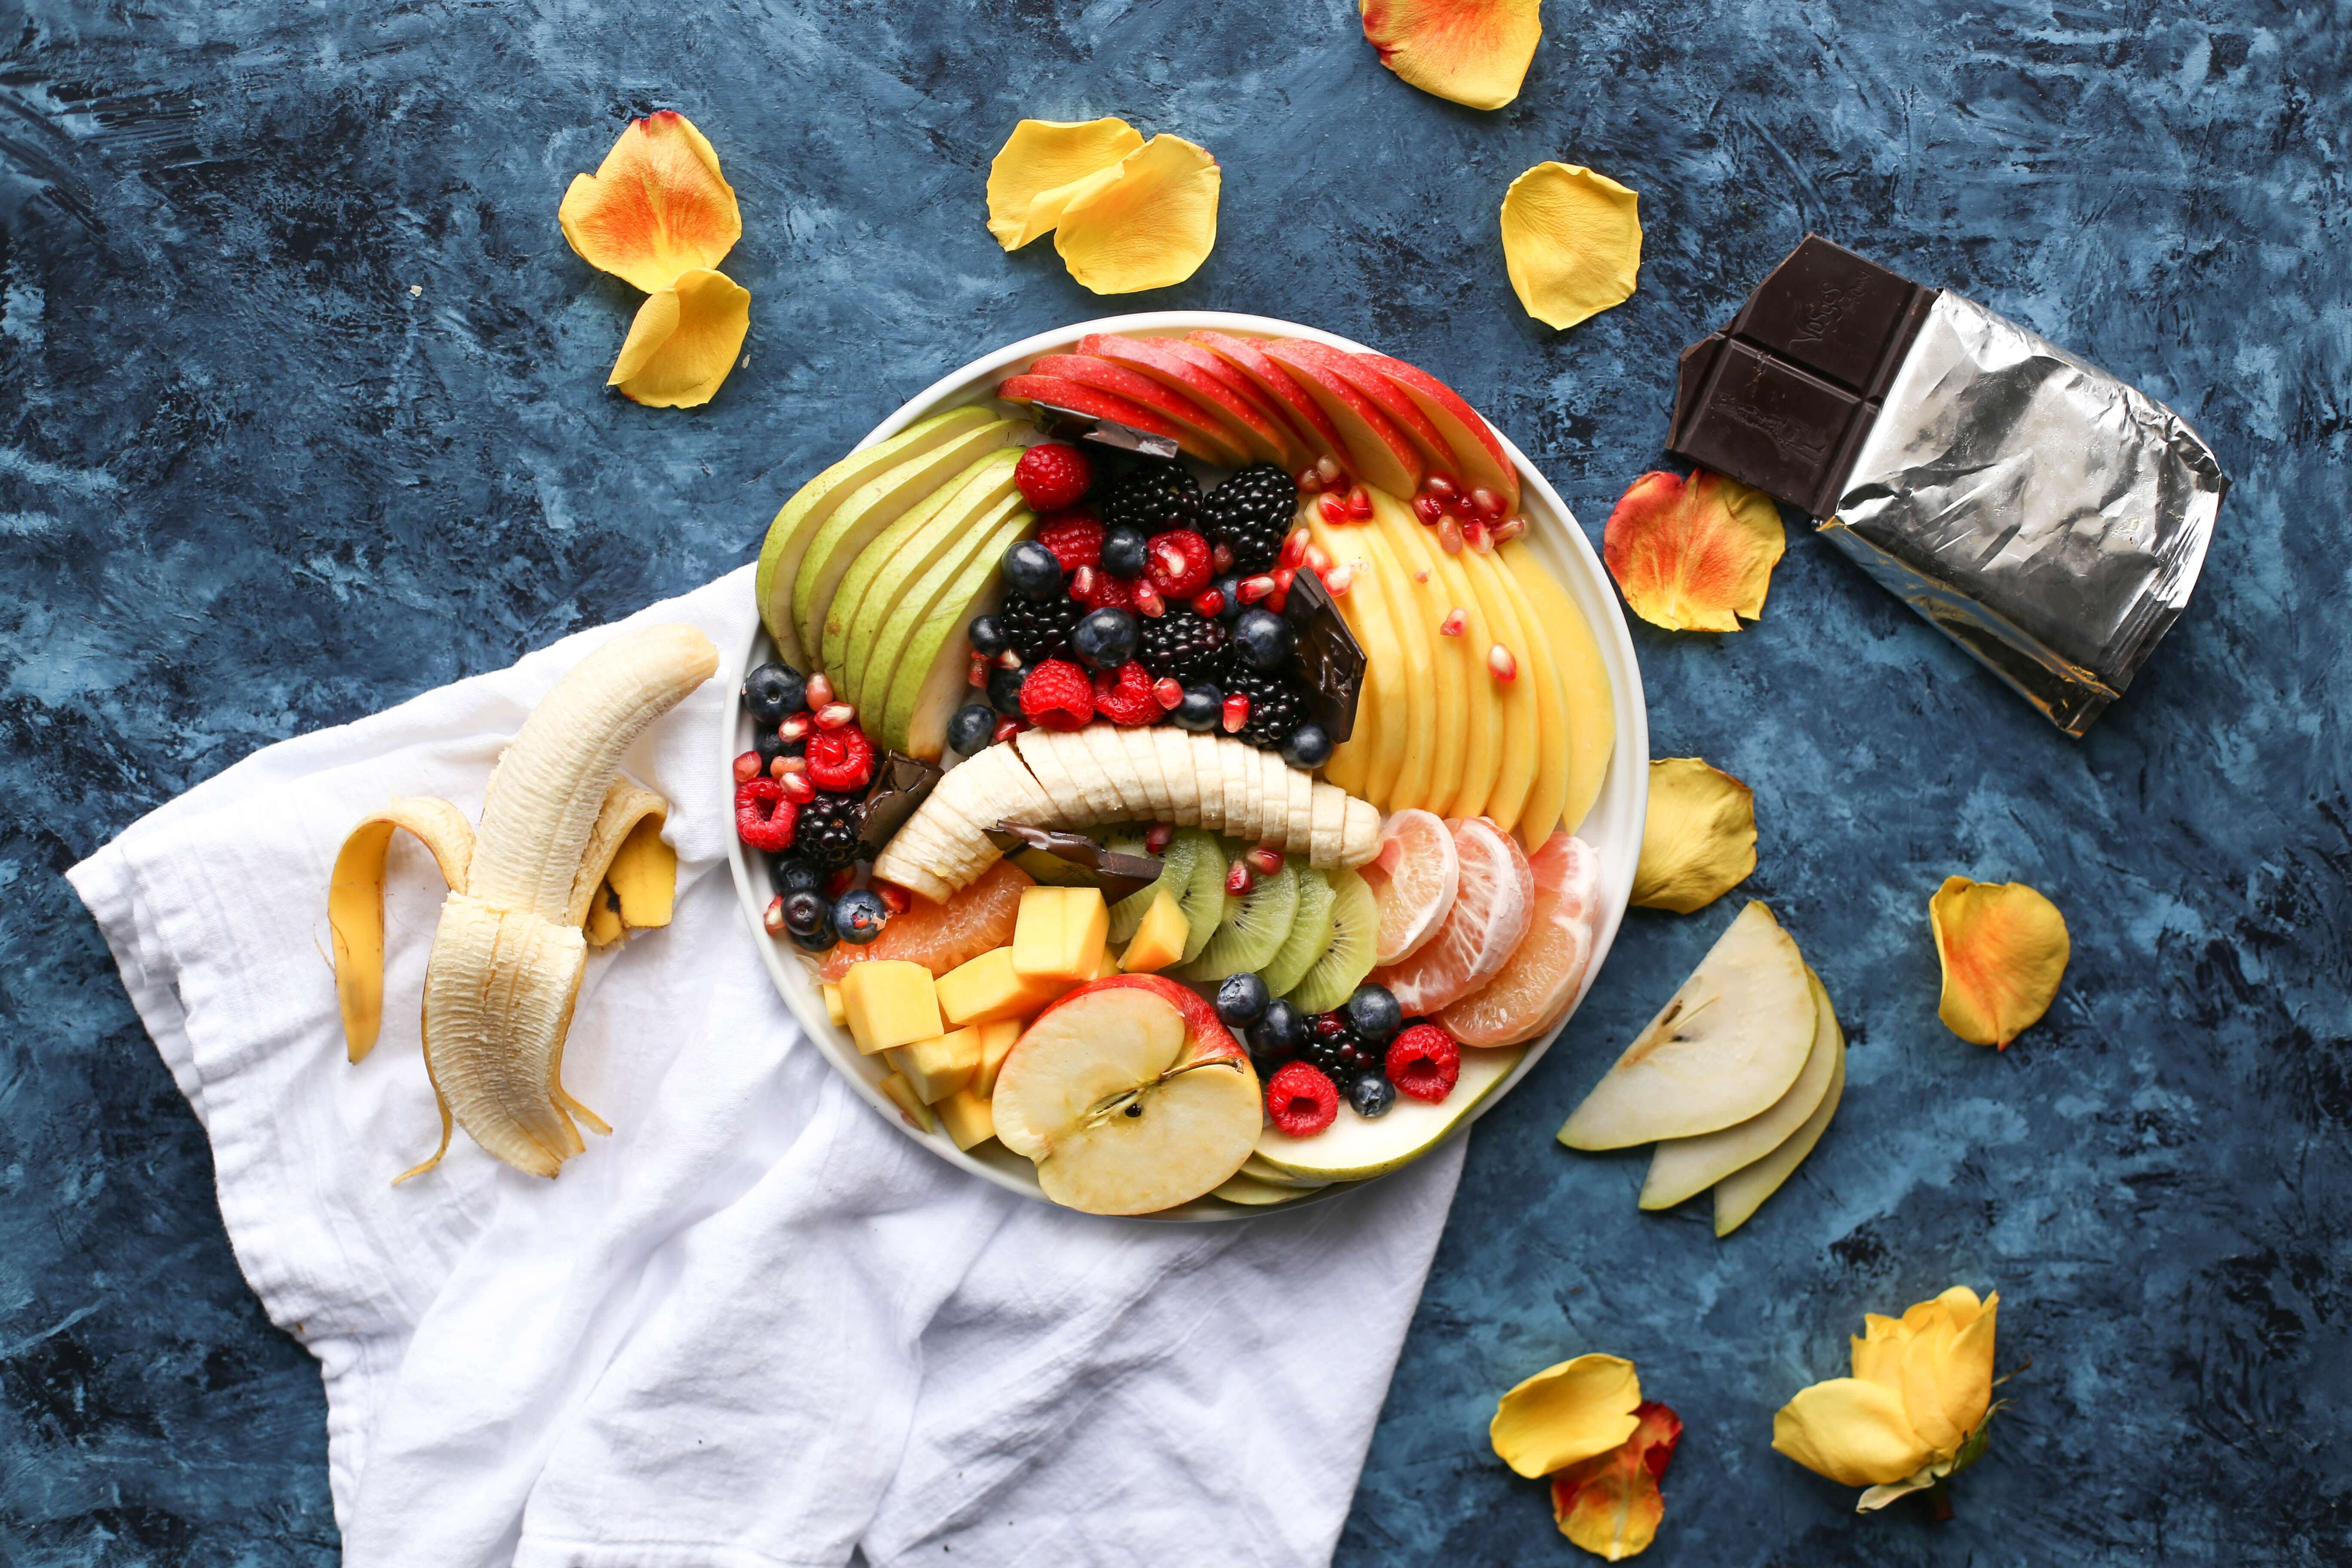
(304, 415)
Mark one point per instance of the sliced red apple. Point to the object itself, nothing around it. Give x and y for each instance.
(1248, 356)
(1385, 395)
(1479, 456)
(1169, 404)
(1160, 359)
(1377, 452)
(1303, 443)
(1129, 1095)
(1097, 403)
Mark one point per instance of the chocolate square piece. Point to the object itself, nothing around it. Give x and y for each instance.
(1331, 661)
(1835, 313)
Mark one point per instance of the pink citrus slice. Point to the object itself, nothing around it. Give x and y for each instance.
(1413, 881)
(1536, 988)
(940, 936)
(1482, 929)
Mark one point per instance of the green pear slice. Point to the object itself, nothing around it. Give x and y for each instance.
(1685, 1167)
(1352, 1149)
(873, 507)
(814, 504)
(1742, 1193)
(900, 554)
(922, 652)
(1248, 1190)
(1258, 1170)
(1727, 1044)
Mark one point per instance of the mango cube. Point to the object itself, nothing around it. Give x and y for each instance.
(968, 1118)
(940, 1066)
(995, 1044)
(832, 1007)
(985, 989)
(1059, 933)
(1108, 966)
(889, 1002)
(902, 1095)
(1159, 939)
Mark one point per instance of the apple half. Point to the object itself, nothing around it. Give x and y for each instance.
(1129, 1095)
(1354, 1150)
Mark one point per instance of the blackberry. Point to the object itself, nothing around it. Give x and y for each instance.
(1152, 499)
(1277, 703)
(826, 833)
(1250, 514)
(1182, 644)
(1040, 629)
(1334, 1048)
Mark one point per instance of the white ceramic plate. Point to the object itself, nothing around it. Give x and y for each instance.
(1614, 828)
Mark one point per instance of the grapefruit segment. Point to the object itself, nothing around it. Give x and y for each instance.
(942, 936)
(1414, 881)
(1489, 916)
(1537, 987)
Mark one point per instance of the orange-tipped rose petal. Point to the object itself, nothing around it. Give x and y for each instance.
(656, 207)
(1150, 227)
(1043, 166)
(1693, 555)
(1609, 1505)
(684, 341)
(1572, 241)
(1471, 51)
(1700, 839)
(2003, 948)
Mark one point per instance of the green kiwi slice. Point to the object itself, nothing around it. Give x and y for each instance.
(1204, 903)
(1354, 928)
(1310, 933)
(1251, 930)
(1175, 879)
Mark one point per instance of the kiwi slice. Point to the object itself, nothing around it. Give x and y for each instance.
(1204, 903)
(1254, 927)
(1355, 928)
(1175, 880)
(1310, 933)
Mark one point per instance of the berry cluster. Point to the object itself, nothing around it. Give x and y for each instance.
(1366, 1052)
(800, 794)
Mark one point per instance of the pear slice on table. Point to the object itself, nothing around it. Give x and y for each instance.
(1685, 1167)
(940, 524)
(1741, 1193)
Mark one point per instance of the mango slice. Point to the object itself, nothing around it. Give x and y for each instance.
(656, 207)
(1474, 52)
(1692, 554)
(2004, 948)
(1571, 242)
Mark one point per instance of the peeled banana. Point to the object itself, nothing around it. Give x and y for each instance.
(567, 854)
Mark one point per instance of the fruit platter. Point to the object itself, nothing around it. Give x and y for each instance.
(1189, 764)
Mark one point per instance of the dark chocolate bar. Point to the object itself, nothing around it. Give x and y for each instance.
(1116, 874)
(900, 784)
(1329, 660)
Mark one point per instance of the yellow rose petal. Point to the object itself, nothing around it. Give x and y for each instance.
(1855, 1433)
(1610, 1504)
(1700, 839)
(1471, 51)
(656, 207)
(684, 341)
(1150, 228)
(1572, 242)
(1963, 1372)
(2003, 948)
(1692, 554)
(1042, 164)
(1924, 1346)
(1566, 1413)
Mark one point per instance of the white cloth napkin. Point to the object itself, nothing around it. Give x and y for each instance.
(757, 1326)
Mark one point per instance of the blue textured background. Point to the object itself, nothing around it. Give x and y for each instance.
(303, 414)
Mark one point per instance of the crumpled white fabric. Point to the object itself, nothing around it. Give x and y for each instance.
(757, 1326)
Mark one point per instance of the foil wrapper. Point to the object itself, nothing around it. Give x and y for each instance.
(2047, 517)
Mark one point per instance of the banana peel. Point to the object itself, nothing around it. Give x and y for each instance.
(568, 854)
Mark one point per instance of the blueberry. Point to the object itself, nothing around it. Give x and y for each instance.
(1122, 551)
(774, 691)
(987, 635)
(1202, 710)
(789, 874)
(858, 915)
(818, 941)
(1310, 747)
(806, 913)
(1032, 570)
(1241, 1000)
(1373, 1011)
(1004, 689)
(1371, 1094)
(1264, 638)
(771, 745)
(970, 729)
(1230, 588)
(1105, 638)
(1280, 1030)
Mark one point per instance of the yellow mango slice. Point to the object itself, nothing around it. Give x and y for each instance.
(889, 1002)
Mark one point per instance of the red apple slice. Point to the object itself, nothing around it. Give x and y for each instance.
(1479, 456)
(1248, 356)
(1377, 452)
(1302, 443)
(1097, 403)
(1160, 359)
(1169, 404)
(1385, 395)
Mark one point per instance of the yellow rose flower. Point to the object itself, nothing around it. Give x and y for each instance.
(1914, 1411)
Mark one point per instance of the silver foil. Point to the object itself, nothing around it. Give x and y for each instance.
(2048, 518)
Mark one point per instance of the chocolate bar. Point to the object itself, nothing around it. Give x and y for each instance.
(1116, 874)
(900, 784)
(1329, 658)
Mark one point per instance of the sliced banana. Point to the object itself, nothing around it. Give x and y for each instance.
(1118, 772)
(1302, 810)
(1360, 835)
(1327, 819)
(1175, 753)
(1208, 777)
(1040, 751)
(1274, 814)
(1144, 758)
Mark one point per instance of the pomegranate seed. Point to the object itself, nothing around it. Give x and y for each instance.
(1238, 881)
(820, 690)
(1148, 601)
(1157, 837)
(1082, 583)
(1360, 503)
(1208, 602)
(1422, 575)
(1451, 626)
(839, 882)
(783, 765)
(1253, 589)
(894, 897)
(1308, 481)
(1171, 562)
(771, 919)
(1478, 537)
(746, 767)
(795, 727)
(1333, 508)
(1266, 862)
(1236, 712)
(834, 715)
(1449, 536)
(1294, 546)
(1168, 691)
(797, 788)
(1499, 662)
(1284, 576)
(1510, 528)
(977, 674)
(1316, 560)
(1327, 469)
(1429, 508)
(1008, 660)
(1460, 507)
(1221, 557)
(1439, 487)
(1339, 579)
(1006, 729)
(1489, 504)
(1278, 601)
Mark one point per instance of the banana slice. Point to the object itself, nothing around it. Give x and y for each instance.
(1144, 758)
(1208, 778)
(1041, 754)
(1360, 835)
(1274, 793)
(1302, 810)
(1174, 748)
(1241, 776)
(1328, 818)
(1110, 760)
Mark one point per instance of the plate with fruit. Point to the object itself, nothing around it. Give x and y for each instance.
(1190, 763)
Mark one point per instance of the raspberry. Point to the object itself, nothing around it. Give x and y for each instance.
(1056, 696)
(1103, 592)
(1176, 563)
(1051, 476)
(1127, 698)
(841, 758)
(1075, 537)
(1424, 1062)
(1302, 1100)
(763, 817)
